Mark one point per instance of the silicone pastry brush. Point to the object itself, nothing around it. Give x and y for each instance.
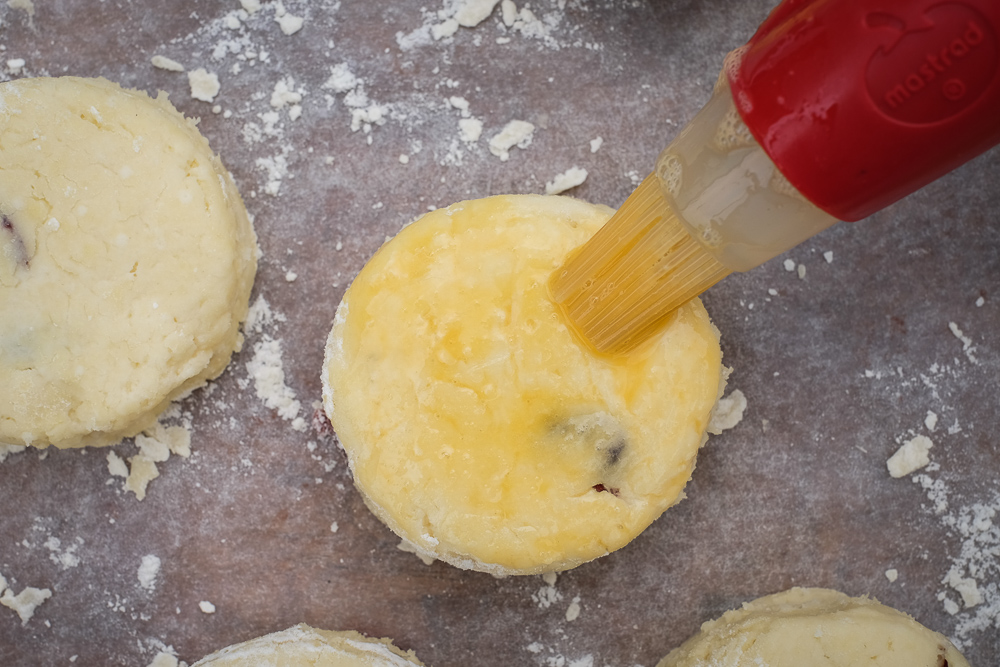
(834, 110)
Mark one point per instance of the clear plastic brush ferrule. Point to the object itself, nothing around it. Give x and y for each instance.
(728, 194)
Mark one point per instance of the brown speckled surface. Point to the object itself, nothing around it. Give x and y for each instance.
(840, 366)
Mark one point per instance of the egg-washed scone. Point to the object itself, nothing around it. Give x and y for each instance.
(477, 426)
(126, 261)
(814, 627)
(303, 646)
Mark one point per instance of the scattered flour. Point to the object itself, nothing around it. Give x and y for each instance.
(546, 596)
(728, 412)
(7, 450)
(570, 178)
(266, 369)
(149, 569)
(65, 558)
(268, 374)
(909, 458)
(967, 347)
(515, 133)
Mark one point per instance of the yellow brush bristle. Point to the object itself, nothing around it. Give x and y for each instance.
(619, 288)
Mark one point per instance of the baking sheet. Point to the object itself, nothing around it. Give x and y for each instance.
(839, 366)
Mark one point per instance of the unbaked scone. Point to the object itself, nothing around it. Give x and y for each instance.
(126, 261)
(815, 627)
(477, 426)
(303, 646)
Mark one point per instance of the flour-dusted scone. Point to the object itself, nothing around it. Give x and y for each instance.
(814, 627)
(126, 261)
(303, 646)
(477, 425)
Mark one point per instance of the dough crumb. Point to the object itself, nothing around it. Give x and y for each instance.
(570, 178)
(15, 65)
(285, 94)
(892, 574)
(156, 444)
(473, 12)
(595, 144)
(162, 62)
(149, 569)
(508, 12)
(964, 586)
(573, 611)
(515, 133)
(801, 270)
(116, 465)
(164, 660)
(26, 602)
(789, 265)
(912, 456)
(828, 256)
(288, 23)
(251, 6)
(550, 578)
(25, 5)
(206, 607)
(470, 129)
(728, 412)
(412, 549)
(444, 29)
(204, 86)
(930, 421)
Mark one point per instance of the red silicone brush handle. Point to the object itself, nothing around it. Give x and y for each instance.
(860, 102)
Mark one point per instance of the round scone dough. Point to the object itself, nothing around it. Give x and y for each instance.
(476, 424)
(303, 646)
(817, 627)
(126, 261)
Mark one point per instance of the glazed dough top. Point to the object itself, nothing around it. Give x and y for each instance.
(815, 627)
(476, 424)
(303, 646)
(126, 261)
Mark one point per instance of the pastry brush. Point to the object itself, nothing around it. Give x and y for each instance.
(834, 110)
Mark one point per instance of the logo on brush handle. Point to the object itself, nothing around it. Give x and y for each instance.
(933, 64)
